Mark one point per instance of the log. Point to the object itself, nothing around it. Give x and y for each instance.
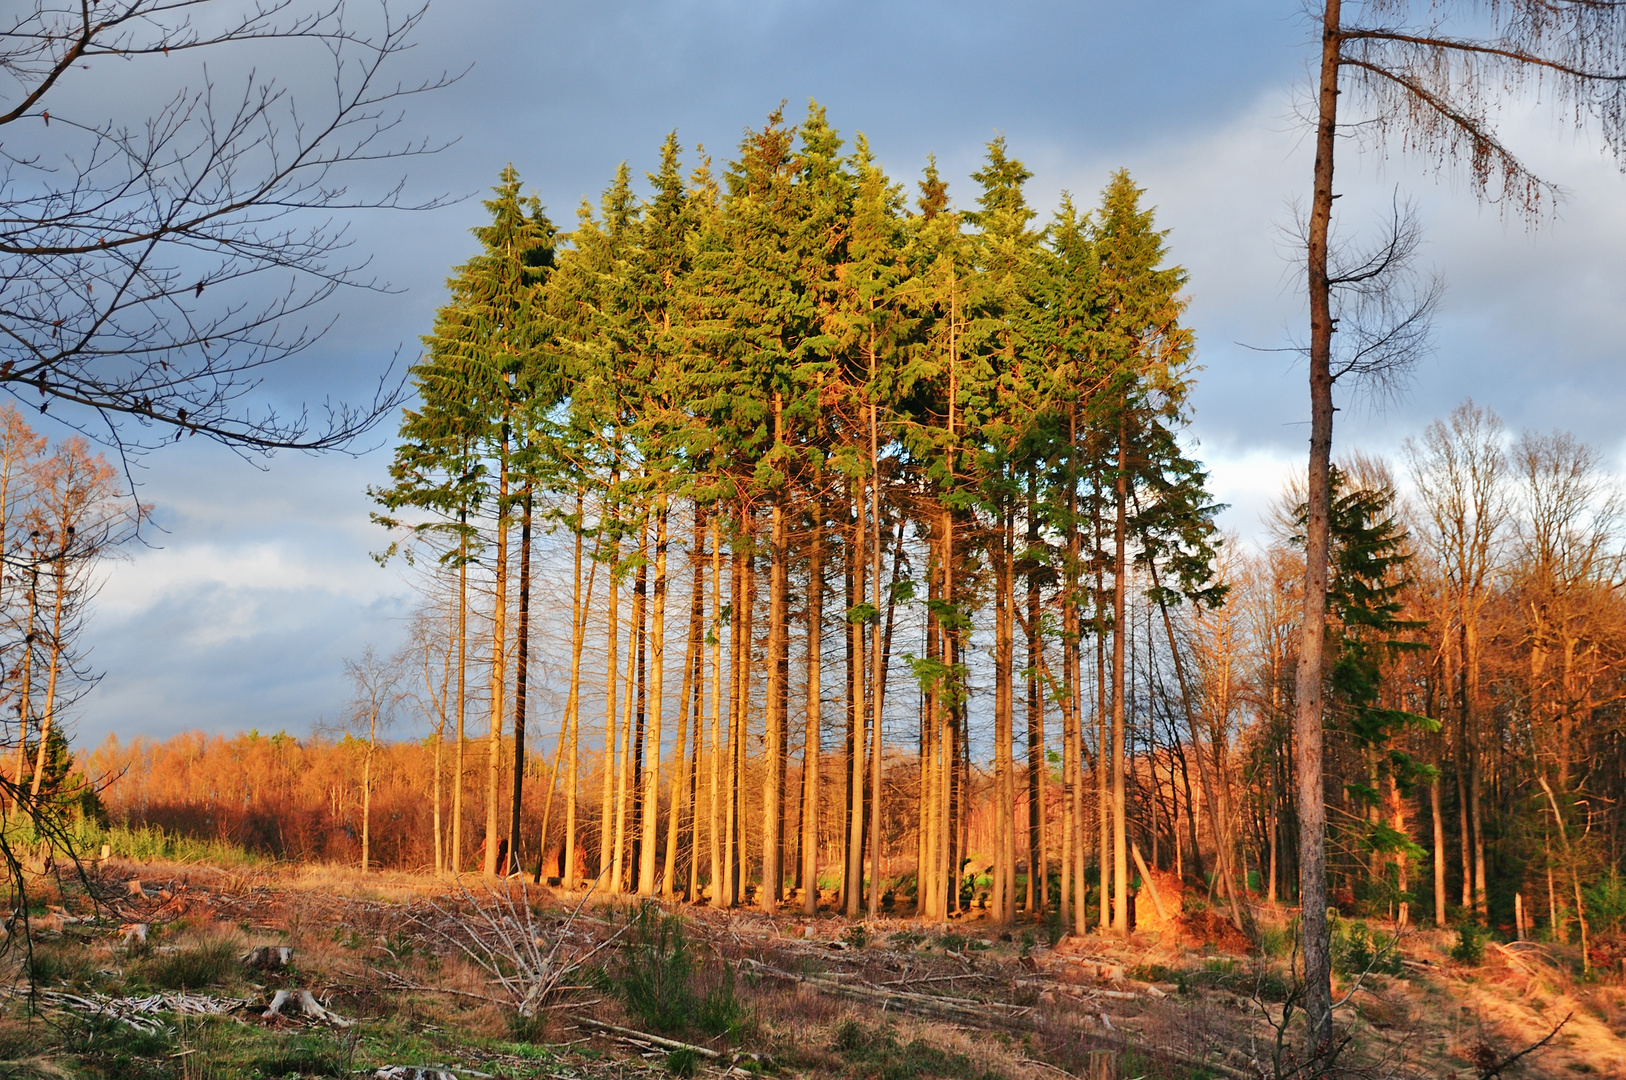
(643, 1036)
(1151, 886)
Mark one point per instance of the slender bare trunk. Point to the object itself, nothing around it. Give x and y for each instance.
(712, 818)
(674, 816)
(579, 606)
(52, 672)
(649, 820)
(773, 745)
(853, 879)
(810, 744)
(625, 768)
(612, 652)
(1120, 592)
(462, 690)
(522, 656)
(366, 791)
(499, 666)
(877, 670)
(1307, 721)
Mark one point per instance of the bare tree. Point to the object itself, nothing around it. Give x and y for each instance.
(78, 518)
(155, 263)
(432, 649)
(1459, 470)
(376, 681)
(1431, 74)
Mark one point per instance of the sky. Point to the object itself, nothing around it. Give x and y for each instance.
(254, 583)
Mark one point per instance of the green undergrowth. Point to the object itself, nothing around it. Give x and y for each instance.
(668, 990)
(876, 1053)
(83, 837)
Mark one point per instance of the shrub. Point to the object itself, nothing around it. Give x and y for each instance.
(1054, 928)
(1470, 946)
(656, 972)
(1277, 941)
(856, 935)
(1606, 902)
(1356, 952)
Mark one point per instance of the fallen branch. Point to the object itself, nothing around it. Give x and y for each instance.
(1496, 1070)
(644, 1036)
(140, 1013)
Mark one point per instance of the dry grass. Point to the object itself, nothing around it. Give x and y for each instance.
(371, 947)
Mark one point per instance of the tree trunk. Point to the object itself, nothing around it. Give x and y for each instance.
(1307, 729)
(649, 819)
(366, 791)
(627, 761)
(612, 653)
(462, 696)
(712, 807)
(691, 681)
(1038, 892)
(522, 658)
(579, 606)
(52, 672)
(1120, 592)
(499, 666)
(877, 669)
(853, 879)
(810, 745)
(729, 891)
(1004, 809)
(773, 874)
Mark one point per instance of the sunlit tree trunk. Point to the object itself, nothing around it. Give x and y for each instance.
(612, 652)
(1120, 588)
(877, 670)
(462, 689)
(1307, 719)
(649, 823)
(852, 889)
(774, 738)
(522, 656)
(499, 665)
(625, 768)
(810, 746)
(713, 834)
(680, 771)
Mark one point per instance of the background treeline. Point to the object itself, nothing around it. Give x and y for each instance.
(837, 536)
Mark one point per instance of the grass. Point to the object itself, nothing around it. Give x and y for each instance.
(149, 843)
(193, 967)
(876, 1053)
(145, 843)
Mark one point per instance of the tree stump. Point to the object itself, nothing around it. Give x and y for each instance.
(1102, 1065)
(268, 957)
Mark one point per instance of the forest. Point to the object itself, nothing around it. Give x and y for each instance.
(792, 537)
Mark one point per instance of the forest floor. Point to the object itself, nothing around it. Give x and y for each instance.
(137, 971)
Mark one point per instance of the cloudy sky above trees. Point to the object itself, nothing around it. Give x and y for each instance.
(255, 585)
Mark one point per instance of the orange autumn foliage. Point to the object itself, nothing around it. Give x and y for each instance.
(292, 798)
